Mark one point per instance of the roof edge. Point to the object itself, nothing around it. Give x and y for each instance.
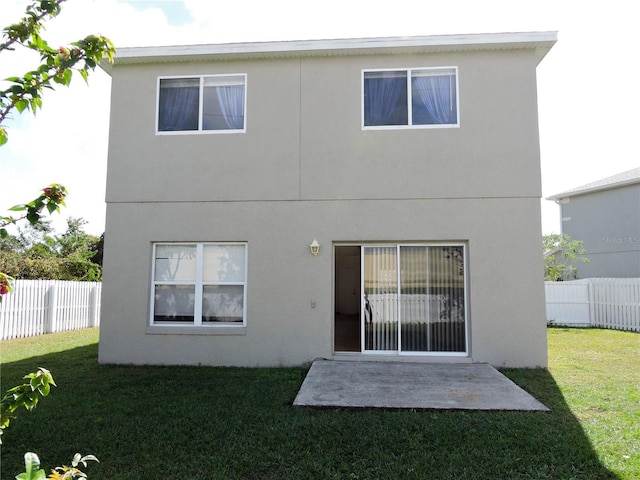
(590, 187)
(540, 41)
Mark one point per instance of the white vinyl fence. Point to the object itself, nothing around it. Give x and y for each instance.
(595, 302)
(36, 307)
(46, 306)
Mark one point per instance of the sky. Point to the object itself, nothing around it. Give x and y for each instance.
(588, 95)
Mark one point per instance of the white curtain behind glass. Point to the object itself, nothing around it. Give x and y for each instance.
(437, 94)
(231, 100)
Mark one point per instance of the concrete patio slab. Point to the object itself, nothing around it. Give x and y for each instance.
(360, 384)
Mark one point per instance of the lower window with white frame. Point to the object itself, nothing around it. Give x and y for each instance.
(199, 284)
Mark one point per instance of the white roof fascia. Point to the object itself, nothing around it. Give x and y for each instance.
(599, 185)
(540, 41)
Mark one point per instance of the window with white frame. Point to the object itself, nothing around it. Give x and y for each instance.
(200, 284)
(213, 103)
(414, 97)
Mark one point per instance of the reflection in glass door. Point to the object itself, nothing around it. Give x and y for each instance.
(417, 290)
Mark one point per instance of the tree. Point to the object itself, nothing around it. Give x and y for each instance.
(561, 254)
(36, 254)
(57, 66)
(79, 250)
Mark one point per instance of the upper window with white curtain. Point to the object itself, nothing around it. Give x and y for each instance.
(212, 103)
(410, 97)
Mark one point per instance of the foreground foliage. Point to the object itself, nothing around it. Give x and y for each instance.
(32, 470)
(27, 395)
(234, 423)
(57, 66)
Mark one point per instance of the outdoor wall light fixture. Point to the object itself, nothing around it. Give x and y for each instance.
(314, 247)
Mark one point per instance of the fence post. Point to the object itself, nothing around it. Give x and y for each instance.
(591, 300)
(52, 318)
(93, 312)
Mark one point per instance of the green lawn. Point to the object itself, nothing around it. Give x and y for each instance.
(233, 423)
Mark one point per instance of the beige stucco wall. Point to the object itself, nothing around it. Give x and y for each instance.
(305, 169)
(304, 138)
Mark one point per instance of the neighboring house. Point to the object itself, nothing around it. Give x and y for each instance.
(409, 166)
(605, 216)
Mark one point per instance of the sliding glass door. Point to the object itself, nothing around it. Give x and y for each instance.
(413, 299)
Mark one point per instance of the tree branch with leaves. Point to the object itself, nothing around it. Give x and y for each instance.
(57, 64)
(51, 199)
(27, 396)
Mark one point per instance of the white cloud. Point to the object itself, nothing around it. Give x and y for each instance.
(588, 95)
(292, 19)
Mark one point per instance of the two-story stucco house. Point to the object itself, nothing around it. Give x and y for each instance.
(365, 199)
